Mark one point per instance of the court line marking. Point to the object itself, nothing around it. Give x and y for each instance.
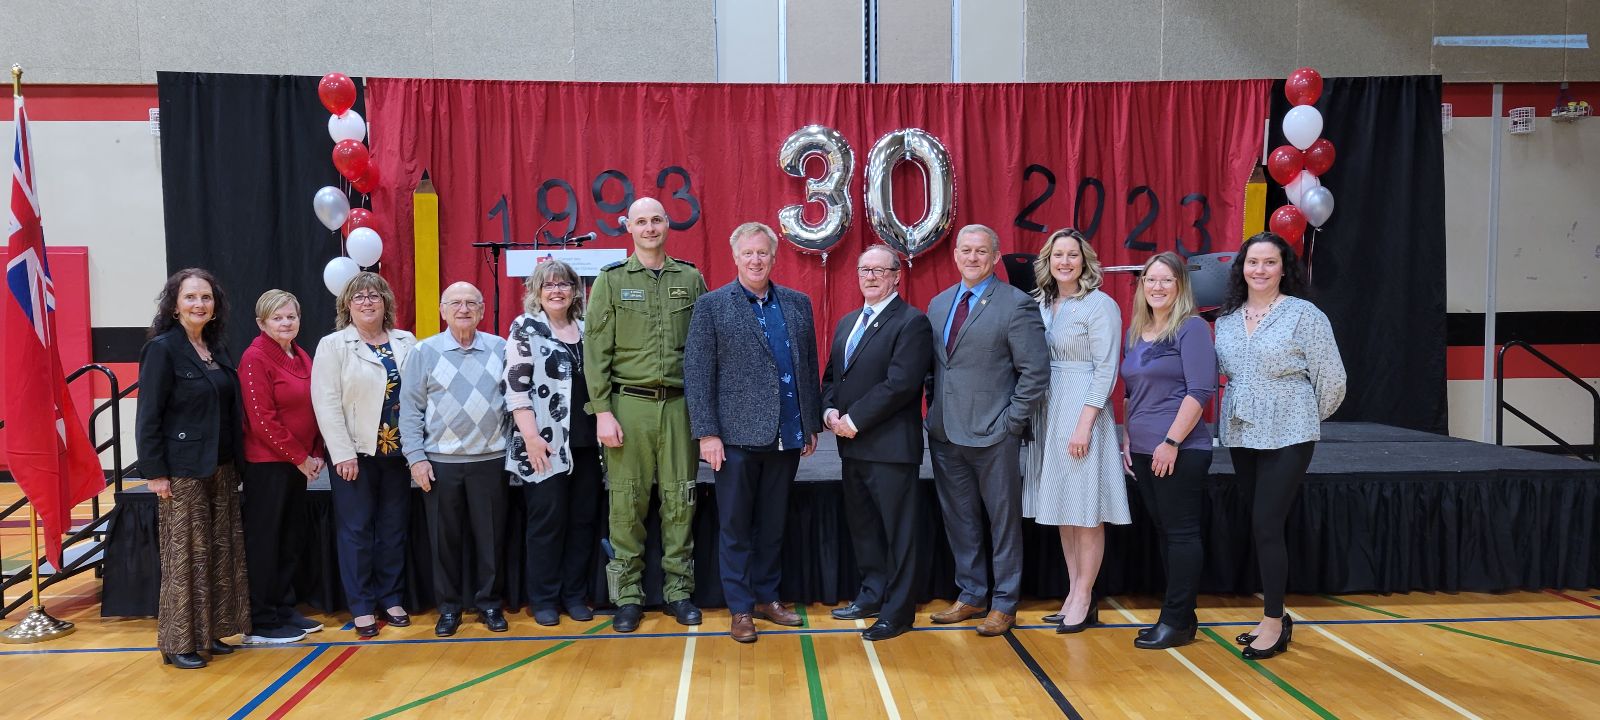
(278, 684)
(1402, 677)
(1579, 601)
(1234, 701)
(484, 677)
(680, 710)
(1469, 633)
(306, 690)
(1282, 684)
(1040, 675)
(812, 631)
(890, 709)
(819, 703)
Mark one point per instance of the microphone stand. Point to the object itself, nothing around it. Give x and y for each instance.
(495, 248)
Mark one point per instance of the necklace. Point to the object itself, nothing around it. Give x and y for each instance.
(574, 349)
(1254, 317)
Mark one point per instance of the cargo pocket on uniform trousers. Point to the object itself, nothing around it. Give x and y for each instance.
(613, 580)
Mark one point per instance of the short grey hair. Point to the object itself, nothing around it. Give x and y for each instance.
(894, 257)
(994, 237)
(465, 284)
(753, 228)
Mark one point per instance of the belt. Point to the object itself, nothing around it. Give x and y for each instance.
(646, 393)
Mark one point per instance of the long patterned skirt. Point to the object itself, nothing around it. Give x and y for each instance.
(204, 592)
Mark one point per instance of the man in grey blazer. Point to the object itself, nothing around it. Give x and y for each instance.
(991, 366)
(755, 403)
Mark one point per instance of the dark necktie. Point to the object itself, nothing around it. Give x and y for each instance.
(956, 323)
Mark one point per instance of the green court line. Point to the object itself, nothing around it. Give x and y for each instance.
(819, 705)
(487, 676)
(1458, 631)
(1268, 674)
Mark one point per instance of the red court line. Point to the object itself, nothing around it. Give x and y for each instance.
(1579, 601)
(306, 690)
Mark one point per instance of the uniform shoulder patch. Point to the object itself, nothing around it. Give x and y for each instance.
(614, 265)
(685, 262)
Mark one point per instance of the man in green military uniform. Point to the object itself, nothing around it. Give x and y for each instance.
(634, 332)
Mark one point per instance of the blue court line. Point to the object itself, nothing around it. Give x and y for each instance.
(278, 684)
(813, 631)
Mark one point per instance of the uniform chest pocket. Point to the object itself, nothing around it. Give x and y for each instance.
(680, 323)
(633, 324)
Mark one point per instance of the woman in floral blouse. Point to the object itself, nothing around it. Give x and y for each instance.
(355, 389)
(1284, 378)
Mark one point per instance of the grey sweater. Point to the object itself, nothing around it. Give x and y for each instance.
(452, 400)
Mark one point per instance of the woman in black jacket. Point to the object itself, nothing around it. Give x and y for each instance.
(190, 431)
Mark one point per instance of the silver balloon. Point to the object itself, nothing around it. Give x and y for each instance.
(332, 207)
(1317, 205)
(891, 150)
(831, 189)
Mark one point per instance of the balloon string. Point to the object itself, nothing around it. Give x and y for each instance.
(1310, 242)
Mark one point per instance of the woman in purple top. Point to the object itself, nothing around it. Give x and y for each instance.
(1169, 372)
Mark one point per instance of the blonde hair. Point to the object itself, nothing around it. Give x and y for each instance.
(271, 300)
(364, 281)
(553, 270)
(1183, 306)
(1089, 280)
(752, 228)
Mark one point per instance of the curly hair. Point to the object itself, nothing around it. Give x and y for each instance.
(1089, 280)
(1292, 283)
(215, 331)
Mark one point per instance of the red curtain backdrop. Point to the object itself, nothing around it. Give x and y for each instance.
(479, 140)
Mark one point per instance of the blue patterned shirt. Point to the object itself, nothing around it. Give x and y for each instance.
(791, 432)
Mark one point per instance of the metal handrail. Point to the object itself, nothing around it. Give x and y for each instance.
(1502, 405)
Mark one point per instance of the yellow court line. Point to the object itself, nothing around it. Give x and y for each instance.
(680, 710)
(889, 707)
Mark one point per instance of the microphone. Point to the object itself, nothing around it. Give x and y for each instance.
(580, 239)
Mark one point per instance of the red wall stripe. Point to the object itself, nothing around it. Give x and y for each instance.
(1465, 362)
(1476, 100)
(93, 103)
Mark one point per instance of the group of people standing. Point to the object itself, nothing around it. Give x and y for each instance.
(615, 394)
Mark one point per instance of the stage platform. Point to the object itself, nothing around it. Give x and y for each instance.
(1383, 510)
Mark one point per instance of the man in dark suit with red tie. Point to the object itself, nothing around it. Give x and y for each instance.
(872, 392)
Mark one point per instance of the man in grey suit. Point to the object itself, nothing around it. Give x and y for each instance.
(755, 402)
(991, 367)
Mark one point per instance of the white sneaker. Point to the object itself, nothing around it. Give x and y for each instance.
(274, 636)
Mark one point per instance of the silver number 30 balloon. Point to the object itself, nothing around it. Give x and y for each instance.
(890, 150)
(831, 189)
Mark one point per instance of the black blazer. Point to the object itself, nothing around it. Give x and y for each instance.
(730, 378)
(881, 391)
(180, 416)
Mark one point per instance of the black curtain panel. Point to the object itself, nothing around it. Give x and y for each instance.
(241, 158)
(1378, 265)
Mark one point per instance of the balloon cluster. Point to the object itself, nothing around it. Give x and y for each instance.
(331, 204)
(1298, 165)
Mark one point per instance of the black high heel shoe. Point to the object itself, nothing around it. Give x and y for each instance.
(1090, 619)
(219, 647)
(184, 661)
(1244, 638)
(1252, 653)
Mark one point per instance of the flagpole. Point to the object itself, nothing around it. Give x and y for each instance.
(38, 626)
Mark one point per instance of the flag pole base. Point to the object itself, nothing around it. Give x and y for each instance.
(37, 627)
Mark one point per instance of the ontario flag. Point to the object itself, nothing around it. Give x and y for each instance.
(46, 446)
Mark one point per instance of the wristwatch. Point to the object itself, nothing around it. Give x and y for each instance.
(1168, 440)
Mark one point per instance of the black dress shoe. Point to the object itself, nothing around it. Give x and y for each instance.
(1282, 645)
(580, 611)
(853, 612)
(1164, 636)
(397, 619)
(494, 619)
(184, 661)
(685, 611)
(447, 625)
(884, 629)
(547, 617)
(219, 647)
(1053, 618)
(1145, 632)
(367, 631)
(627, 618)
(1090, 619)
(1244, 638)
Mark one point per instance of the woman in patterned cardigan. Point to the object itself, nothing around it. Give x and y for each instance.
(1284, 378)
(555, 455)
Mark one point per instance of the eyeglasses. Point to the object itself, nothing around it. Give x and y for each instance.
(365, 299)
(562, 285)
(457, 304)
(1159, 282)
(876, 272)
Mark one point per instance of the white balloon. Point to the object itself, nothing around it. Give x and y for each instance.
(348, 126)
(1302, 126)
(1317, 205)
(1296, 189)
(338, 273)
(332, 207)
(364, 246)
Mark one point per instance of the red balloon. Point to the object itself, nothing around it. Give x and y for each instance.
(1284, 163)
(351, 159)
(1319, 157)
(1288, 223)
(1303, 87)
(337, 92)
(361, 218)
(368, 181)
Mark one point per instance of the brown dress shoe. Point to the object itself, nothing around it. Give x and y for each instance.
(996, 624)
(744, 628)
(775, 612)
(957, 612)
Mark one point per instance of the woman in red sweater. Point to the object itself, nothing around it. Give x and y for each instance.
(282, 450)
